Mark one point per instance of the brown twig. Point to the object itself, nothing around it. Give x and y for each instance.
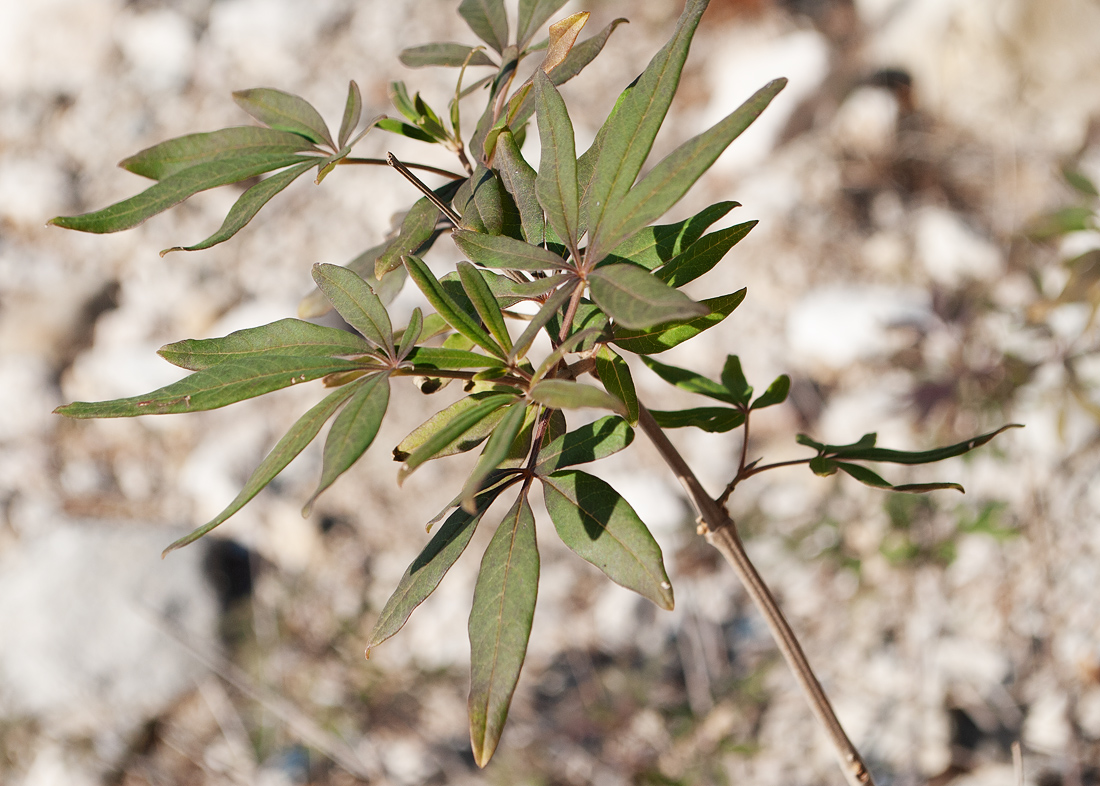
(721, 532)
(443, 207)
(422, 167)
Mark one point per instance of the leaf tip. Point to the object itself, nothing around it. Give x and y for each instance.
(167, 251)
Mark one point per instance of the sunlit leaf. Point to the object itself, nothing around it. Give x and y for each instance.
(775, 394)
(599, 525)
(567, 394)
(486, 304)
(488, 21)
(533, 15)
(703, 255)
(292, 443)
(690, 381)
(353, 110)
(441, 358)
(500, 625)
(591, 442)
(456, 427)
(563, 35)
(662, 337)
(654, 246)
(175, 155)
(556, 184)
(442, 302)
(716, 420)
(519, 178)
(467, 440)
(496, 451)
(505, 252)
(356, 303)
(288, 337)
(406, 130)
(445, 54)
(411, 334)
(284, 112)
(614, 373)
(636, 299)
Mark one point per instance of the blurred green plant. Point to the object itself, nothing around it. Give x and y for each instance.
(575, 238)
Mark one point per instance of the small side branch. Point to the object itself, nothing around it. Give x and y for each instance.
(444, 208)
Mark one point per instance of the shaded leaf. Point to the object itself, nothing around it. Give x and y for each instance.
(428, 569)
(447, 308)
(614, 373)
(690, 381)
(496, 451)
(445, 54)
(287, 337)
(733, 378)
(468, 440)
(1061, 222)
(356, 302)
(353, 110)
(556, 184)
(1080, 181)
(284, 112)
(542, 317)
(670, 179)
(703, 255)
(486, 304)
(481, 203)
(533, 15)
(411, 334)
(175, 155)
(248, 205)
(213, 387)
(775, 394)
(637, 299)
(715, 420)
(292, 443)
(500, 625)
(519, 179)
(456, 427)
(354, 430)
(570, 344)
(654, 246)
(488, 21)
(505, 252)
(663, 337)
(859, 452)
(590, 442)
(172, 190)
(599, 525)
(567, 394)
(869, 478)
(406, 130)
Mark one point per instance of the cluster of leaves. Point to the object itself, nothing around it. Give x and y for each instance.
(572, 240)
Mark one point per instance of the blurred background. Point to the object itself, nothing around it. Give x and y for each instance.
(926, 266)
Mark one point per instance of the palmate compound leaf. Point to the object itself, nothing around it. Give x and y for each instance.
(177, 187)
(590, 442)
(292, 443)
(663, 337)
(430, 566)
(447, 308)
(286, 337)
(500, 625)
(356, 302)
(599, 525)
(216, 386)
(636, 299)
(285, 112)
(175, 155)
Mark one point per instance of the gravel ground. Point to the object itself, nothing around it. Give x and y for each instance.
(901, 273)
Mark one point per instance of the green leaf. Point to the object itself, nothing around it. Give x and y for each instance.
(488, 21)
(172, 190)
(570, 344)
(775, 394)
(859, 452)
(614, 373)
(213, 387)
(500, 625)
(447, 54)
(599, 525)
(428, 569)
(1080, 182)
(504, 252)
(175, 155)
(292, 443)
(399, 96)
(417, 230)
(703, 255)
(411, 334)
(1076, 218)
(670, 179)
(456, 427)
(556, 184)
(284, 112)
(567, 394)
(443, 358)
(447, 308)
(822, 466)
(690, 381)
(637, 299)
(496, 451)
(735, 383)
(356, 302)
(247, 206)
(482, 204)
(519, 179)
(654, 246)
(406, 130)
(353, 110)
(663, 337)
(715, 420)
(591, 442)
(869, 478)
(468, 440)
(354, 430)
(486, 304)
(315, 304)
(287, 337)
(635, 123)
(533, 14)
(542, 317)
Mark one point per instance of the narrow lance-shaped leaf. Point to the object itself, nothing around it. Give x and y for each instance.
(690, 381)
(315, 304)
(502, 252)
(411, 334)
(467, 440)
(485, 303)
(703, 255)
(775, 394)
(447, 308)
(663, 186)
(488, 21)
(496, 451)
(217, 386)
(247, 206)
(284, 112)
(356, 302)
(635, 298)
(288, 337)
(663, 337)
(353, 431)
(457, 426)
(567, 394)
(869, 478)
(570, 344)
(542, 317)
(634, 126)
(599, 525)
(591, 442)
(445, 54)
(733, 378)
(556, 184)
(500, 625)
(860, 453)
(715, 420)
(441, 358)
(417, 230)
(428, 569)
(353, 110)
(519, 178)
(654, 246)
(406, 130)
(615, 375)
(175, 155)
(172, 190)
(292, 443)
(533, 15)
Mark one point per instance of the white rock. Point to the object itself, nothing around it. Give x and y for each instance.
(159, 46)
(952, 252)
(866, 122)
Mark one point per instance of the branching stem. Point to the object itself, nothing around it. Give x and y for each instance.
(721, 532)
